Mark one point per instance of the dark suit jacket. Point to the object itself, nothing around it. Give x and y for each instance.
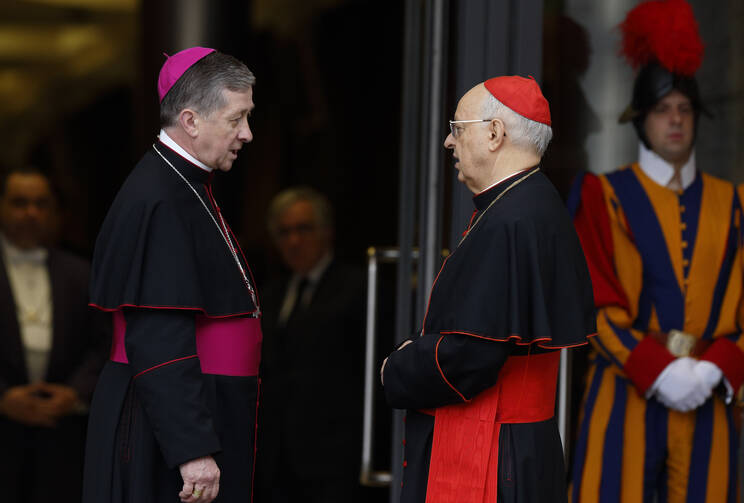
(80, 338)
(312, 379)
(80, 334)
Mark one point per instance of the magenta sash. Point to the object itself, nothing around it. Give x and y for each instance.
(225, 346)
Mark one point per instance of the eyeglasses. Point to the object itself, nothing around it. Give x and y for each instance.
(455, 129)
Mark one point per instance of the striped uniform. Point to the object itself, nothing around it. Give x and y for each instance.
(659, 260)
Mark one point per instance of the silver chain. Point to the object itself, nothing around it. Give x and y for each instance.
(514, 184)
(224, 234)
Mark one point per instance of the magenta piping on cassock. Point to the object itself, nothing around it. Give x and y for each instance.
(225, 346)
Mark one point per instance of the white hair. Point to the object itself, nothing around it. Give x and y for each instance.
(523, 132)
(286, 198)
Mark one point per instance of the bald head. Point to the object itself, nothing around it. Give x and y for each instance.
(497, 143)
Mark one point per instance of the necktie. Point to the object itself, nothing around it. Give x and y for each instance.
(298, 307)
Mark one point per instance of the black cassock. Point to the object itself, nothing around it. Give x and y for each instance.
(182, 381)
(479, 383)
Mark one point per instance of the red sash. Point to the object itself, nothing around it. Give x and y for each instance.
(465, 447)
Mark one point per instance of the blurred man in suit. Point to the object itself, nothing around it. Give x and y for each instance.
(312, 362)
(51, 348)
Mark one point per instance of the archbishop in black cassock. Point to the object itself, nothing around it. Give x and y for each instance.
(174, 412)
(479, 382)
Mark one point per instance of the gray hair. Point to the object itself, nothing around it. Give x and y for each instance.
(201, 86)
(523, 132)
(286, 198)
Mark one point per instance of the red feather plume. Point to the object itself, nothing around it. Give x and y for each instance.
(665, 31)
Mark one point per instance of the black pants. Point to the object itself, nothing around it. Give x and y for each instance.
(39, 465)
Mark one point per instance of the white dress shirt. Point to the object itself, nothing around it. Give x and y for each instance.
(28, 276)
(661, 172)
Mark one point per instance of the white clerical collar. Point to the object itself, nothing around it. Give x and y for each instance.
(168, 141)
(505, 178)
(660, 171)
(15, 255)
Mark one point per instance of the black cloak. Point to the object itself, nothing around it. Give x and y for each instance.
(163, 266)
(517, 285)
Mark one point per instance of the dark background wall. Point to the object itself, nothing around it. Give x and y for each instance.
(327, 111)
(77, 97)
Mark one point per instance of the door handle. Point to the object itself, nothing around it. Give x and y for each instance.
(387, 255)
(369, 476)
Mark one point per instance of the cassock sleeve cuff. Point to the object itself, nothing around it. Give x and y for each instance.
(646, 362)
(729, 358)
(413, 379)
(208, 447)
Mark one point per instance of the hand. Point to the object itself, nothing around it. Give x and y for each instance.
(384, 362)
(23, 404)
(201, 480)
(57, 400)
(678, 386)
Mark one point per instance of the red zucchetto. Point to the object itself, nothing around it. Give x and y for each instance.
(522, 95)
(176, 65)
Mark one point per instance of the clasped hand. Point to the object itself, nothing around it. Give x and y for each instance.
(40, 404)
(686, 383)
(384, 362)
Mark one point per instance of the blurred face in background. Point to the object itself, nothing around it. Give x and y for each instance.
(301, 238)
(27, 210)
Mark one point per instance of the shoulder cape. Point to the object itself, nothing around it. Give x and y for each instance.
(159, 248)
(520, 273)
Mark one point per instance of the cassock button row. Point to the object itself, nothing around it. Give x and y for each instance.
(682, 208)
(685, 262)
(405, 463)
(684, 226)
(684, 244)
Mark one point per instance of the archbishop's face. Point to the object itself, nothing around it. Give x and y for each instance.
(224, 132)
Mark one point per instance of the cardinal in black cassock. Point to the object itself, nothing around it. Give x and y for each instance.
(176, 404)
(479, 382)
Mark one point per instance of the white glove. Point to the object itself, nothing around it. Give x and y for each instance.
(679, 387)
(711, 375)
